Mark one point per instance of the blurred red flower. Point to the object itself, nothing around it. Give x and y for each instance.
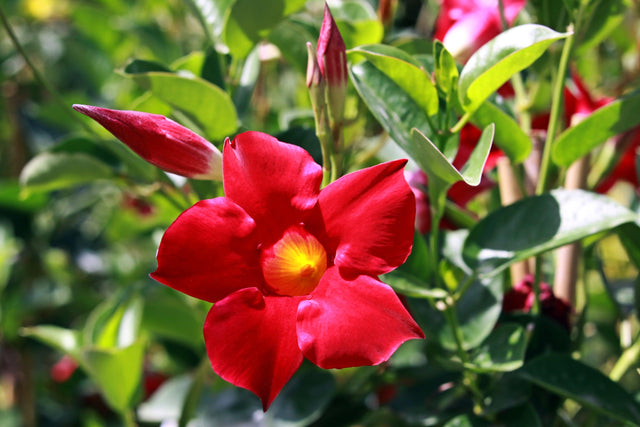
(521, 297)
(293, 269)
(463, 26)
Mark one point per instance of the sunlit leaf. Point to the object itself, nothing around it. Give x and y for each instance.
(496, 61)
(404, 71)
(610, 120)
(208, 106)
(434, 163)
(509, 136)
(117, 371)
(537, 224)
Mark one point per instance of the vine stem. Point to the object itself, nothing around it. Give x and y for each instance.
(628, 358)
(57, 98)
(555, 113)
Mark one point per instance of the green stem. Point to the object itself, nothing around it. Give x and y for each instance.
(437, 199)
(57, 98)
(129, 418)
(627, 358)
(556, 104)
(463, 121)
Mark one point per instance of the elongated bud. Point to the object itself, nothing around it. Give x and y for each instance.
(332, 61)
(160, 141)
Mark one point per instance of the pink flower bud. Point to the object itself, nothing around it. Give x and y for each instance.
(160, 141)
(332, 56)
(332, 61)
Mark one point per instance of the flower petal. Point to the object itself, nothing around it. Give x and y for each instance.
(352, 322)
(210, 251)
(274, 182)
(367, 219)
(251, 341)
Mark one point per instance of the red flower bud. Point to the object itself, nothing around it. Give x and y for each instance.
(332, 61)
(160, 141)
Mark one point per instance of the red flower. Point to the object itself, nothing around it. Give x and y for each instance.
(62, 370)
(160, 141)
(293, 269)
(521, 298)
(463, 26)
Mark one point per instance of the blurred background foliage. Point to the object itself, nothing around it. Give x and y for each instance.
(77, 243)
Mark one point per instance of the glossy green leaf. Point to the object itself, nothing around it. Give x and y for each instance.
(520, 416)
(446, 71)
(509, 135)
(629, 235)
(65, 340)
(249, 22)
(184, 325)
(390, 105)
(302, 399)
(214, 14)
(291, 36)
(357, 22)
(502, 351)
(137, 66)
(55, 171)
(435, 164)
(405, 72)
(166, 403)
(208, 106)
(537, 224)
(477, 312)
(411, 286)
(610, 120)
(117, 372)
(574, 380)
(495, 62)
(12, 197)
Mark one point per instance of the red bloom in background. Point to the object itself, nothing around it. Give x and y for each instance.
(463, 26)
(460, 193)
(521, 298)
(293, 269)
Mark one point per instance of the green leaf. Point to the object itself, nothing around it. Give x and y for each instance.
(184, 325)
(394, 108)
(65, 340)
(166, 403)
(117, 371)
(214, 13)
(446, 71)
(537, 224)
(250, 22)
(502, 351)
(495, 62)
(137, 66)
(629, 235)
(291, 36)
(410, 286)
(509, 135)
(574, 380)
(435, 164)
(607, 121)
(524, 415)
(204, 103)
(404, 71)
(477, 311)
(357, 22)
(302, 399)
(55, 171)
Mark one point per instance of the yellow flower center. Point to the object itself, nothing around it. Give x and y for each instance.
(294, 264)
